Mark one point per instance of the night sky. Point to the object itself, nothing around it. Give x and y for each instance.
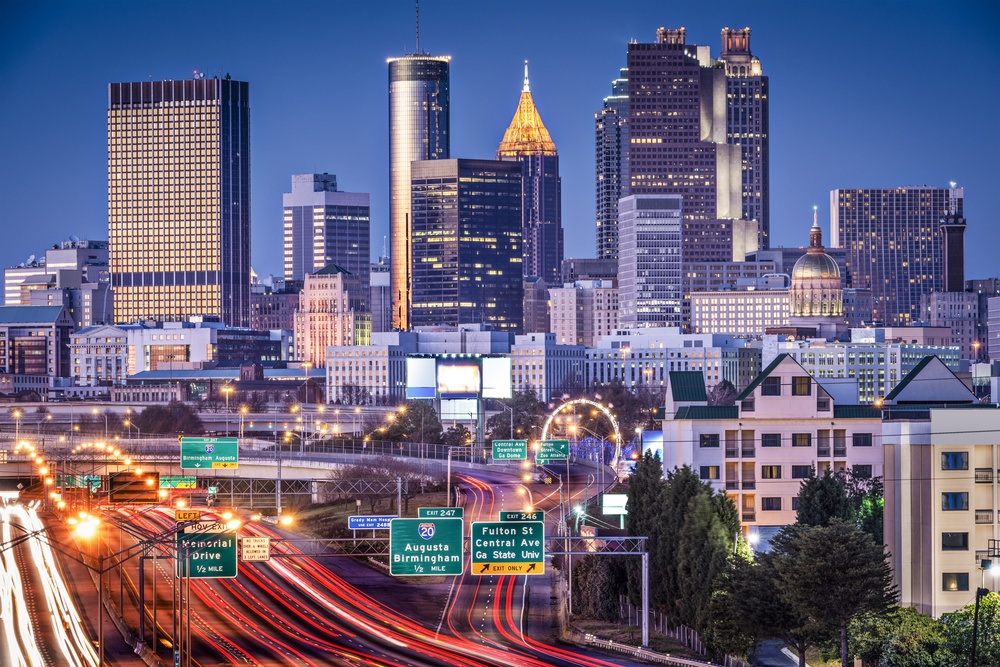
(863, 94)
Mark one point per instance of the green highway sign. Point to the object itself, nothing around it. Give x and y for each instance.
(552, 449)
(209, 453)
(206, 554)
(507, 547)
(176, 482)
(441, 512)
(425, 547)
(534, 515)
(510, 450)
(79, 482)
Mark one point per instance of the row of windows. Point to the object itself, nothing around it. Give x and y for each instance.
(798, 440)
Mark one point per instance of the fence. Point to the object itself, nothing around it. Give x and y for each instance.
(682, 634)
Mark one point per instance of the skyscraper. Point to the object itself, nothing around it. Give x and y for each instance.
(649, 266)
(895, 243)
(611, 134)
(527, 141)
(467, 243)
(677, 144)
(418, 130)
(179, 199)
(324, 225)
(747, 111)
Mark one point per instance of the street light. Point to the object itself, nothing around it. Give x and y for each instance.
(95, 412)
(243, 411)
(17, 425)
(227, 390)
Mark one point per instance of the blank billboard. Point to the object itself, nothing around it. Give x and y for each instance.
(420, 377)
(496, 377)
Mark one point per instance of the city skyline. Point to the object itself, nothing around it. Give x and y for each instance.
(852, 103)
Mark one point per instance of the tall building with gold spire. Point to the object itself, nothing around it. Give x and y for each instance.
(527, 141)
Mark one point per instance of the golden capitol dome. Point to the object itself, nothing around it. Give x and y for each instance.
(526, 134)
(816, 288)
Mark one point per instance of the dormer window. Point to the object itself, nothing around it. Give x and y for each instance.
(771, 386)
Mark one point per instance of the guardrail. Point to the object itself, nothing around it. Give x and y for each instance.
(645, 654)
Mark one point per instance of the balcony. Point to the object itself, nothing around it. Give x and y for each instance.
(749, 484)
(732, 485)
(822, 451)
(984, 516)
(749, 515)
(839, 452)
(732, 453)
(984, 476)
(748, 452)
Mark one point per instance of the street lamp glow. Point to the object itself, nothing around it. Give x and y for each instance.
(227, 515)
(233, 524)
(286, 520)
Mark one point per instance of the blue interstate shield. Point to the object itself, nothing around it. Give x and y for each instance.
(426, 530)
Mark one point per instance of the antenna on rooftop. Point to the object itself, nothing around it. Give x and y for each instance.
(417, 22)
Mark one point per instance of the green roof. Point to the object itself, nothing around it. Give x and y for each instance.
(707, 412)
(760, 378)
(856, 412)
(687, 386)
(28, 314)
(332, 269)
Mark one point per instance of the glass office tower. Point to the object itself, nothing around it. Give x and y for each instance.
(418, 130)
(179, 199)
(467, 243)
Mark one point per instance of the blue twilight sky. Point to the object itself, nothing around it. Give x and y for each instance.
(863, 94)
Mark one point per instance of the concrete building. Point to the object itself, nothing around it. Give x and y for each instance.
(584, 311)
(984, 289)
(993, 328)
(678, 144)
(896, 241)
(874, 358)
(650, 260)
(611, 143)
(375, 374)
(465, 246)
(323, 225)
(748, 126)
(271, 311)
(99, 356)
(959, 312)
(643, 358)
(536, 305)
(784, 426)
(589, 268)
(179, 199)
(540, 364)
(34, 340)
(942, 454)
(380, 295)
(326, 317)
(419, 129)
(743, 312)
(528, 143)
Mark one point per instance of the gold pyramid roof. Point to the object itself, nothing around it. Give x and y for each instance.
(527, 134)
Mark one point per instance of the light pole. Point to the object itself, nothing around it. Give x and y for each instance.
(306, 365)
(243, 410)
(95, 412)
(227, 390)
(17, 425)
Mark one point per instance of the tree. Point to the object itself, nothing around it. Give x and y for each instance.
(641, 518)
(682, 484)
(831, 574)
(597, 583)
(902, 638)
(723, 393)
(746, 609)
(529, 414)
(173, 418)
(958, 633)
(457, 436)
(417, 421)
(822, 499)
(703, 550)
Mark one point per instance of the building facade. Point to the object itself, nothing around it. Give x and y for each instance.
(324, 225)
(419, 117)
(650, 264)
(641, 358)
(546, 367)
(748, 126)
(611, 143)
(380, 295)
(466, 243)
(894, 240)
(179, 199)
(959, 311)
(34, 340)
(99, 356)
(678, 145)
(584, 311)
(528, 143)
(784, 427)
(326, 317)
(742, 312)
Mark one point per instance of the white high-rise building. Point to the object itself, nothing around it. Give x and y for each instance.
(649, 264)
